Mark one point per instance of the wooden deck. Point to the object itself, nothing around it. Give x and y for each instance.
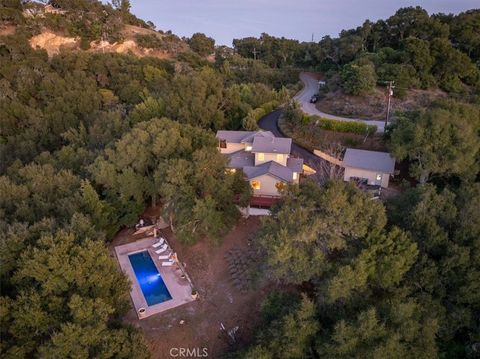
(263, 201)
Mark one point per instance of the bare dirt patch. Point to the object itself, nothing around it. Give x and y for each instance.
(127, 46)
(219, 301)
(373, 106)
(129, 31)
(6, 30)
(53, 43)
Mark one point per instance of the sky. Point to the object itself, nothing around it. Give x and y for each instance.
(225, 20)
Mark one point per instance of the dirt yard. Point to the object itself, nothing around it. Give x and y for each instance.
(373, 106)
(219, 301)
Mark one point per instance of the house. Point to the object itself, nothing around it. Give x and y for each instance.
(264, 159)
(370, 167)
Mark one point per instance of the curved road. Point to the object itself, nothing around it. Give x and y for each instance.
(310, 88)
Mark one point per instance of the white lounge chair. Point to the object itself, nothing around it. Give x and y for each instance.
(162, 249)
(168, 264)
(159, 243)
(165, 256)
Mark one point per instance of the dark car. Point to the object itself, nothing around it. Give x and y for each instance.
(314, 98)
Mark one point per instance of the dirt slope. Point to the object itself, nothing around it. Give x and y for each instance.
(53, 43)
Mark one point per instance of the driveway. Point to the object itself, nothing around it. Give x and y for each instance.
(310, 88)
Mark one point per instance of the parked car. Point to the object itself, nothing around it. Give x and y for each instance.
(314, 98)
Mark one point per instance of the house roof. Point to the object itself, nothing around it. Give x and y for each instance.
(370, 160)
(242, 136)
(241, 159)
(295, 164)
(272, 144)
(269, 168)
(261, 134)
(233, 136)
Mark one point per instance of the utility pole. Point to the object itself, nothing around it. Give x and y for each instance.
(254, 53)
(389, 100)
(312, 36)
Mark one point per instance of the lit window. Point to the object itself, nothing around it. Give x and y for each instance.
(255, 184)
(248, 148)
(379, 176)
(280, 186)
(295, 175)
(279, 158)
(261, 157)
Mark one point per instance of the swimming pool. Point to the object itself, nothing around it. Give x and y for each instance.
(153, 288)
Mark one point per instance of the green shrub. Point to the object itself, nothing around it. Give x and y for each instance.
(358, 80)
(359, 128)
(150, 41)
(351, 142)
(84, 43)
(270, 106)
(250, 121)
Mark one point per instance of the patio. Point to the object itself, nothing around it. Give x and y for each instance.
(180, 288)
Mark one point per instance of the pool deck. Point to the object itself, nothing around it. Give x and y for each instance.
(179, 288)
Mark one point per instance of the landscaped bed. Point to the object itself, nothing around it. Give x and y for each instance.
(313, 135)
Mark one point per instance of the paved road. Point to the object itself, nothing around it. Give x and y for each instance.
(310, 88)
(270, 123)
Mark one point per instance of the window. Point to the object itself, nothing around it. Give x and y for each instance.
(295, 175)
(261, 156)
(223, 144)
(248, 148)
(379, 176)
(280, 186)
(279, 158)
(255, 184)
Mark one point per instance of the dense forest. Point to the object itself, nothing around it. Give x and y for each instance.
(399, 280)
(412, 48)
(88, 140)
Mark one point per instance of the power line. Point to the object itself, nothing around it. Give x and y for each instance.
(389, 99)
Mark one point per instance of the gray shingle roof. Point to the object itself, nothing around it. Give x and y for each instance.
(233, 136)
(241, 159)
(272, 144)
(295, 164)
(242, 136)
(271, 168)
(370, 160)
(264, 134)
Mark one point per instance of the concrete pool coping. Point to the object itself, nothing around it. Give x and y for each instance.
(179, 288)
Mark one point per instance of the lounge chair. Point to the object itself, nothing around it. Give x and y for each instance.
(168, 264)
(162, 249)
(165, 256)
(159, 243)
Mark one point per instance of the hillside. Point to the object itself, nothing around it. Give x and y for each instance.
(415, 49)
(95, 135)
(57, 28)
(373, 105)
(53, 43)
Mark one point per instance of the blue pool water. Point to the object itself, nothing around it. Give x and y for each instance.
(153, 288)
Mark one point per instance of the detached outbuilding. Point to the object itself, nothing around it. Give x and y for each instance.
(370, 167)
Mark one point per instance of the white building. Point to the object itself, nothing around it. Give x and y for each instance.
(371, 167)
(264, 159)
